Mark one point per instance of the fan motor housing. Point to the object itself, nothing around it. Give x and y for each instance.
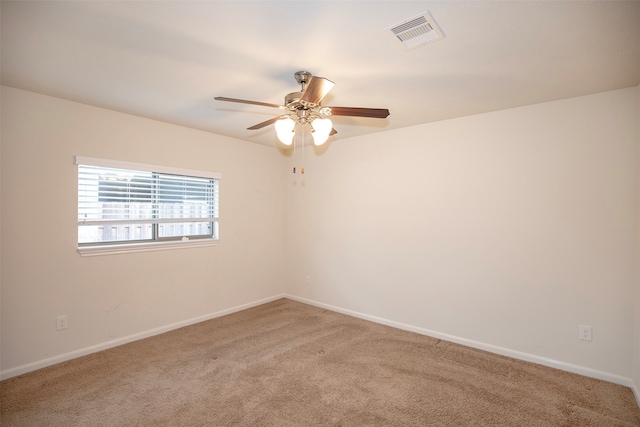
(292, 101)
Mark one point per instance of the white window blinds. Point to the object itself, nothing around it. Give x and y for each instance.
(121, 202)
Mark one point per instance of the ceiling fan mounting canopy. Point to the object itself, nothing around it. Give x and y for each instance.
(304, 107)
(302, 77)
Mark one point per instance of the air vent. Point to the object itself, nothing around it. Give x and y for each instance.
(416, 31)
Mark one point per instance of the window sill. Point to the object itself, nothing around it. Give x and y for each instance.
(144, 247)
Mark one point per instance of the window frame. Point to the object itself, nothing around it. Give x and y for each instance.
(158, 243)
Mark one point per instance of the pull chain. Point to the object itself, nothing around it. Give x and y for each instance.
(302, 168)
(294, 150)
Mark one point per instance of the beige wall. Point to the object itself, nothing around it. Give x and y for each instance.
(114, 297)
(508, 229)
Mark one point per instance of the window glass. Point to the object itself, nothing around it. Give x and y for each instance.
(118, 205)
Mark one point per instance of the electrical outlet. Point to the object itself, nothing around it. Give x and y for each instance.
(307, 280)
(585, 332)
(61, 322)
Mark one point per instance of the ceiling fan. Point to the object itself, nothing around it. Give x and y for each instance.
(304, 108)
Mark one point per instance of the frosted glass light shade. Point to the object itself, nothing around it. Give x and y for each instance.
(284, 130)
(322, 128)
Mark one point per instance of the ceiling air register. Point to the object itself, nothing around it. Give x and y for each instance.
(416, 31)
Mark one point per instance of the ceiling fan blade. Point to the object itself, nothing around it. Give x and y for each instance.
(265, 123)
(317, 88)
(244, 101)
(375, 113)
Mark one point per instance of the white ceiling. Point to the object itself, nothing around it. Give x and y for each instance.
(167, 60)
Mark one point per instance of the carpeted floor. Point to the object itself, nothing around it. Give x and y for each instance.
(290, 364)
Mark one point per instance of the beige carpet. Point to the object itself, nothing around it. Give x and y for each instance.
(290, 364)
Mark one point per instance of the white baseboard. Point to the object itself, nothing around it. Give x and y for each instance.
(8, 373)
(636, 393)
(593, 373)
(576, 369)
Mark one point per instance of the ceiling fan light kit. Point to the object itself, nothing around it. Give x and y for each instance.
(321, 130)
(304, 108)
(285, 129)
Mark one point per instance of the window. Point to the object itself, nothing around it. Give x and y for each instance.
(125, 207)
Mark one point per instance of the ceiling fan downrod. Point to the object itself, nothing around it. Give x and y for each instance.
(302, 77)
